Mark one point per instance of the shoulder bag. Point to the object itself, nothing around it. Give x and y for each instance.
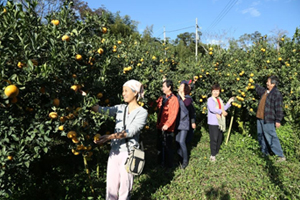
(136, 157)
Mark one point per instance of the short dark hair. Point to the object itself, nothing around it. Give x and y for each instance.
(169, 83)
(274, 79)
(186, 88)
(216, 87)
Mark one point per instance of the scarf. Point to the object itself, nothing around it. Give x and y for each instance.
(221, 118)
(136, 86)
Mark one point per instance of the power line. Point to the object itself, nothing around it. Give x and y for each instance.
(222, 14)
(172, 25)
(180, 29)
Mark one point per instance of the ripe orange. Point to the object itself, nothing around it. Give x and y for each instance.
(119, 42)
(56, 102)
(79, 147)
(53, 115)
(65, 38)
(70, 116)
(62, 119)
(61, 128)
(75, 87)
(11, 91)
(71, 134)
(78, 57)
(99, 95)
(9, 157)
(20, 65)
(104, 30)
(100, 51)
(55, 22)
(96, 137)
(88, 148)
(210, 53)
(75, 140)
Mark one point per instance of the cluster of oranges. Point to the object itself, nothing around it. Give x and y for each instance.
(210, 51)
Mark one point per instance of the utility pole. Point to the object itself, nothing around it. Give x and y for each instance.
(165, 40)
(196, 50)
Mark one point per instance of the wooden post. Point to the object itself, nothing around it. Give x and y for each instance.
(229, 129)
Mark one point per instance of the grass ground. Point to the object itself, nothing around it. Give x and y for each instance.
(240, 172)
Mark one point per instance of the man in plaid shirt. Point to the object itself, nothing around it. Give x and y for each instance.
(269, 115)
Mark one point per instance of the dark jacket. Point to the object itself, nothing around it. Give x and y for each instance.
(183, 117)
(192, 111)
(273, 106)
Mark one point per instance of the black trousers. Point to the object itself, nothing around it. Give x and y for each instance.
(216, 137)
(165, 148)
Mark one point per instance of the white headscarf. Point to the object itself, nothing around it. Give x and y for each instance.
(136, 86)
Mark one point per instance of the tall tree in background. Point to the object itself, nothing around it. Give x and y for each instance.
(278, 34)
(122, 25)
(147, 33)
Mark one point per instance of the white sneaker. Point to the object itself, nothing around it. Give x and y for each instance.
(281, 159)
(213, 158)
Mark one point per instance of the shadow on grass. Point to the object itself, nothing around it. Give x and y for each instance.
(154, 176)
(275, 175)
(217, 193)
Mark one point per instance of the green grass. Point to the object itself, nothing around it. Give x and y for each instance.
(240, 172)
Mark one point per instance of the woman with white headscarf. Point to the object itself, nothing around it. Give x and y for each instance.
(118, 181)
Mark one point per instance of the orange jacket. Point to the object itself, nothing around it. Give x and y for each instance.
(169, 113)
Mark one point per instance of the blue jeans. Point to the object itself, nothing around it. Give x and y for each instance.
(266, 134)
(182, 151)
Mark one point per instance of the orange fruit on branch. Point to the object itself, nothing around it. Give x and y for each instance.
(71, 134)
(53, 115)
(11, 91)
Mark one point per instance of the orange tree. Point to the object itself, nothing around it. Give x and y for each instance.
(52, 72)
(52, 65)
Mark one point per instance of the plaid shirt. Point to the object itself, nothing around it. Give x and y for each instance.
(273, 106)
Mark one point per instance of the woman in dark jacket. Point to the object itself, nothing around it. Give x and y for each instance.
(183, 121)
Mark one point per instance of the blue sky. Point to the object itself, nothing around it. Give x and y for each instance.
(217, 19)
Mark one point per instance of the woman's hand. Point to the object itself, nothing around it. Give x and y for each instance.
(102, 139)
(193, 125)
(224, 113)
(231, 100)
(181, 94)
(95, 108)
